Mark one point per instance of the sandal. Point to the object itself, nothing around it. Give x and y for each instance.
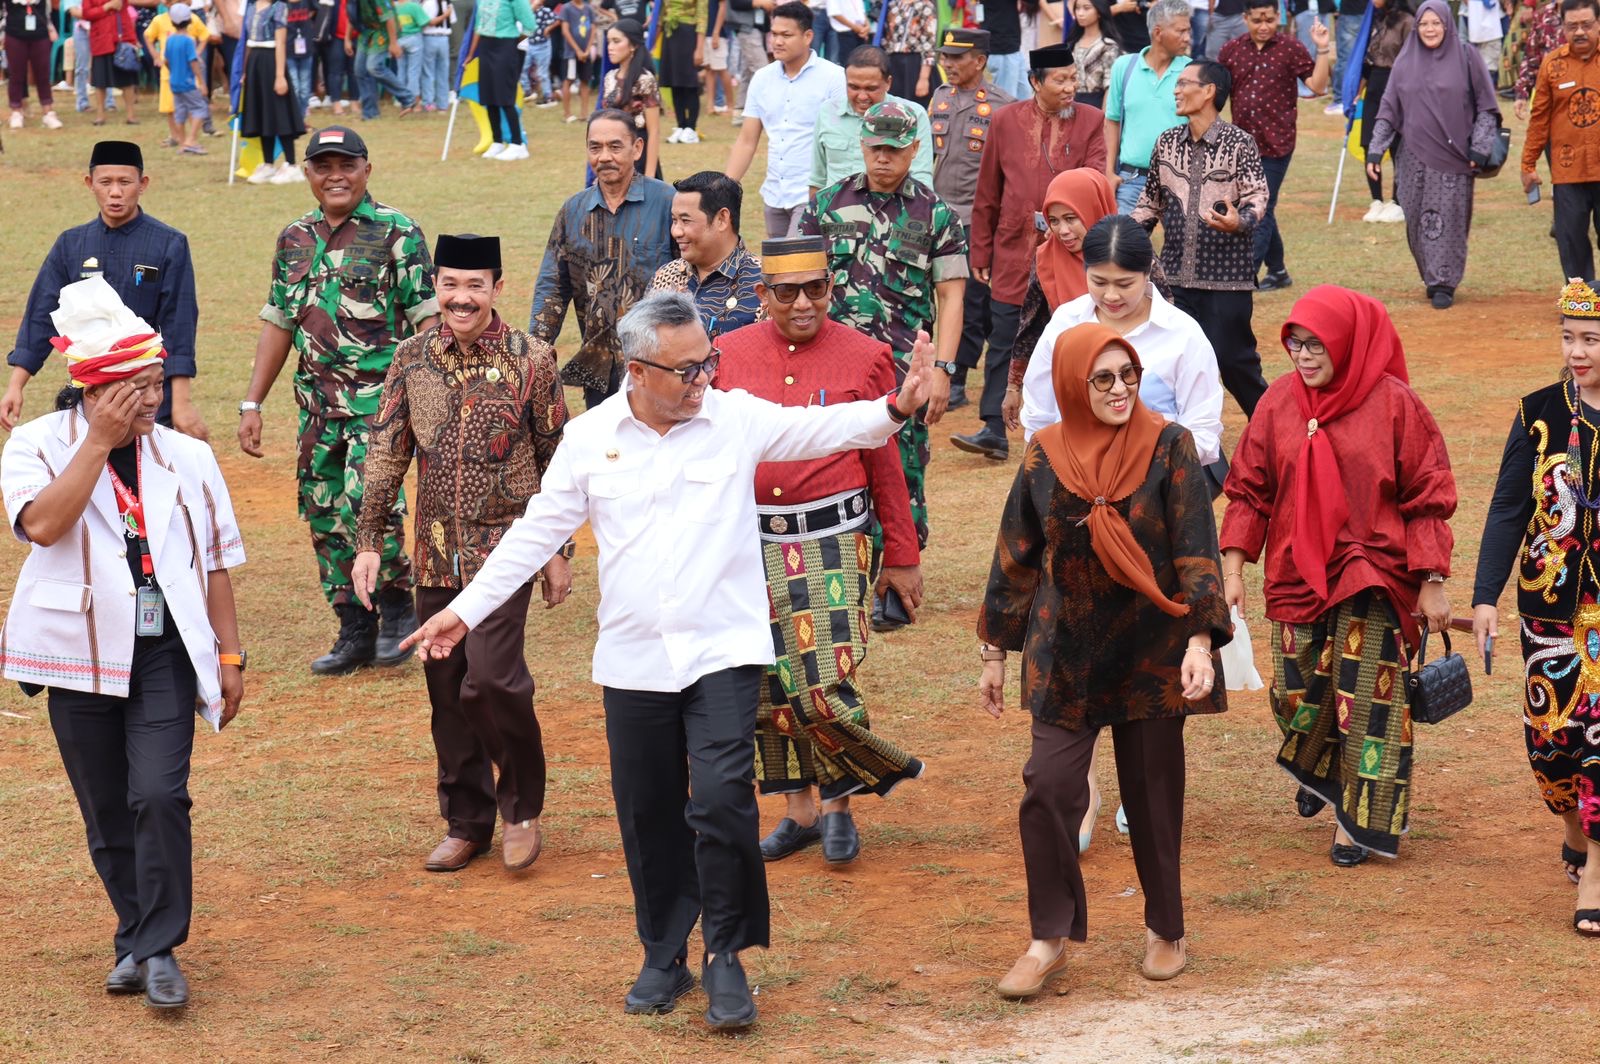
(1586, 916)
(1574, 860)
(1308, 803)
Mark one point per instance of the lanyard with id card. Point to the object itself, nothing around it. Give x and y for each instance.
(149, 614)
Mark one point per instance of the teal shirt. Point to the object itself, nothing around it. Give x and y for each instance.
(836, 148)
(411, 17)
(1149, 110)
(505, 18)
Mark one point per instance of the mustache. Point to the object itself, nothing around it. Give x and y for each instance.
(465, 308)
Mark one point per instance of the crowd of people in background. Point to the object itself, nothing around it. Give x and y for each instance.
(935, 199)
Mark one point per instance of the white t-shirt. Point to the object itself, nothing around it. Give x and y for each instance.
(854, 10)
(1483, 21)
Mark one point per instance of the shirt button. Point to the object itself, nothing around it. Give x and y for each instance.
(775, 492)
(133, 591)
(122, 554)
(791, 347)
(788, 380)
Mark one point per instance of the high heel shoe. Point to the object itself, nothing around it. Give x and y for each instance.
(1086, 832)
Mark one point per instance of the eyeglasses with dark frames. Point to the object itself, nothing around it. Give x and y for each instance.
(1296, 345)
(1106, 380)
(788, 293)
(688, 374)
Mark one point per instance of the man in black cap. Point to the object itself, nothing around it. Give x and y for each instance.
(145, 261)
(480, 405)
(350, 280)
(961, 112)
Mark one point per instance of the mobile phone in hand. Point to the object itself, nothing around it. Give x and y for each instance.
(1220, 207)
(1488, 648)
(1533, 195)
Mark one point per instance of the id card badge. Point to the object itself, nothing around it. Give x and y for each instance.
(151, 618)
(299, 46)
(30, 22)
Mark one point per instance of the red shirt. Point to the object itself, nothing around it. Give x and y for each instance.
(1401, 495)
(108, 28)
(1266, 89)
(838, 365)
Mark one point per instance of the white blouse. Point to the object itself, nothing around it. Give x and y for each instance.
(1181, 380)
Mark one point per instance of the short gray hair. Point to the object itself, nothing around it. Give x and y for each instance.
(1163, 11)
(639, 327)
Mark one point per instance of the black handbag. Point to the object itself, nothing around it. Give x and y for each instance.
(1441, 688)
(1499, 151)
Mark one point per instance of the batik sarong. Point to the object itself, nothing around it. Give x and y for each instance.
(812, 725)
(1561, 717)
(1339, 696)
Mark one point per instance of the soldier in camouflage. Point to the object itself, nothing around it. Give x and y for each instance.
(350, 280)
(899, 259)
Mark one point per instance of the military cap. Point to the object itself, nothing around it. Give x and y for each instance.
(889, 124)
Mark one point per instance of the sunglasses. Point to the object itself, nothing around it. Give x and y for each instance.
(1105, 380)
(688, 374)
(788, 293)
(1296, 345)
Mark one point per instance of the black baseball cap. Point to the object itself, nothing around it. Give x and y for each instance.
(336, 140)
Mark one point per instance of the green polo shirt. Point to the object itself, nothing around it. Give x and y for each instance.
(1149, 109)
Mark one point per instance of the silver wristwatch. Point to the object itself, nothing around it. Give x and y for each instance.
(247, 406)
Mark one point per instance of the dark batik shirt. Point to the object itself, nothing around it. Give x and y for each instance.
(1266, 89)
(1187, 176)
(145, 262)
(602, 264)
(348, 295)
(1096, 652)
(727, 298)
(483, 422)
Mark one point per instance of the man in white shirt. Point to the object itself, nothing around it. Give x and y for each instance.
(664, 472)
(785, 98)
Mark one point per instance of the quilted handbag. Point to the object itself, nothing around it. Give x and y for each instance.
(1440, 688)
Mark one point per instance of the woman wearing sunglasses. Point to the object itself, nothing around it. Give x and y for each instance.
(1342, 478)
(1106, 580)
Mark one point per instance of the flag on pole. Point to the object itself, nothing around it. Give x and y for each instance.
(1351, 96)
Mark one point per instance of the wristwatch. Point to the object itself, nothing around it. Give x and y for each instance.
(950, 368)
(991, 653)
(238, 659)
(247, 407)
(1434, 577)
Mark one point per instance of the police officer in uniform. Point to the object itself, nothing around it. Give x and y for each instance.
(960, 112)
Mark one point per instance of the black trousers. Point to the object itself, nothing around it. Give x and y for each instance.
(1004, 318)
(904, 70)
(974, 323)
(1225, 319)
(128, 761)
(1150, 776)
(483, 719)
(1577, 214)
(683, 775)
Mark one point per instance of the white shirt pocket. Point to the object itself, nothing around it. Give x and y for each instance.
(707, 484)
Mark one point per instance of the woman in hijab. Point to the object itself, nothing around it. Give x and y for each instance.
(1343, 478)
(1105, 579)
(1544, 520)
(1441, 107)
(630, 87)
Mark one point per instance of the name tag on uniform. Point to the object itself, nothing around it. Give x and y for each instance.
(146, 274)
(151, 618)
(839, 230)
(1566, 85)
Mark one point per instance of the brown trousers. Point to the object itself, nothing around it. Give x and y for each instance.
(483, 719)
(1150, 774)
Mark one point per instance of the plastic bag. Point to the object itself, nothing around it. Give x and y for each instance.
(1238, 662)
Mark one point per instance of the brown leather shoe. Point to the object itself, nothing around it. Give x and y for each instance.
(1028, 976)
(520, 843)
(453, 854)
(1163, 959)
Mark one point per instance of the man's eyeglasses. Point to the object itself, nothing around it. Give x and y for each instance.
(788, 293)
(688, 374)
(1296, 345)
(1105, 380)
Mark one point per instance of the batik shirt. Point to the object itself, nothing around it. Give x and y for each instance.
(887, 251)
(1187, 177)
(349, 295)
(372, 16)
(727, 298)
(1544, 36)
(483, 422)
(911, 27)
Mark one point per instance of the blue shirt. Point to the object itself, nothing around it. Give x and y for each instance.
(726, 299)
(145, 261)
(179, 54)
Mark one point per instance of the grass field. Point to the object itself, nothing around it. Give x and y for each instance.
(317, 935)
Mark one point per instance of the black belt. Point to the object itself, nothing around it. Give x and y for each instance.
(837, 512)
(1142, 171)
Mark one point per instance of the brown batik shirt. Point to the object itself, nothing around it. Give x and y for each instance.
(483, 423)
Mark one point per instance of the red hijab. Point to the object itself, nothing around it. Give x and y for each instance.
(1101, 463)
(1365, 348)
(1087, 194)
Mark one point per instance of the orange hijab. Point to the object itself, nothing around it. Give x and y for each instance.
(1101, 463)
(1087, 194)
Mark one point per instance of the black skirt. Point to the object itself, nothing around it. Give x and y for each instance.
(265, 113)
(677, 60)
(499, 66)
(104, 74)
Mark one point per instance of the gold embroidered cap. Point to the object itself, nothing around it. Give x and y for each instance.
(1578, 300)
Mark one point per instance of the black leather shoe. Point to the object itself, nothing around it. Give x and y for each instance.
(1347, 856)
(788, 838)
(357, 642)
(164, 984)
(657, 990)
(1308, 804)
(841, 843)
(398, 619)
(1443, 298)
(1274, 280)
(958, 396)
(727, 992)
(989, 444)
(125, 978)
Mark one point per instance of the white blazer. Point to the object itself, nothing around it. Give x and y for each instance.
(71, 619)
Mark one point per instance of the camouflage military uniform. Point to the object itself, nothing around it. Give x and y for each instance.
(887, 251)
(348, 295)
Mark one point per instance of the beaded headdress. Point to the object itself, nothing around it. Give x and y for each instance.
(1578, 300)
